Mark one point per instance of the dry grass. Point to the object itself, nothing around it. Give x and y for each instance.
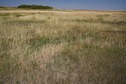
(62, 47)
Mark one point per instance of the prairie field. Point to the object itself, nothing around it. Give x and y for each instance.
(62, 47)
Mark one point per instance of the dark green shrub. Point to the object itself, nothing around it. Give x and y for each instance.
(34, 7)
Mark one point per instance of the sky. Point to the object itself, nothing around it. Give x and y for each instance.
(71, 4)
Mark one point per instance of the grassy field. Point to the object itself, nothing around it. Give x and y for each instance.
(62, 47)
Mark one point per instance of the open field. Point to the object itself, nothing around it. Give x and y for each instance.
(62, 47)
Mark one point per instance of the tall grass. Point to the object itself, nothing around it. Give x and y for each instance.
(73, 47)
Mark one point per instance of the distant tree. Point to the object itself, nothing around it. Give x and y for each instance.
(34, 7)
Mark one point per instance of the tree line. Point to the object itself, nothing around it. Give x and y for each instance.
(34, 7)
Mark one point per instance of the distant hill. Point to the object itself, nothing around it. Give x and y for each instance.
(34, 7)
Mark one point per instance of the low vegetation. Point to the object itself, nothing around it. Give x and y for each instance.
(62, 47)
(34, 7)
